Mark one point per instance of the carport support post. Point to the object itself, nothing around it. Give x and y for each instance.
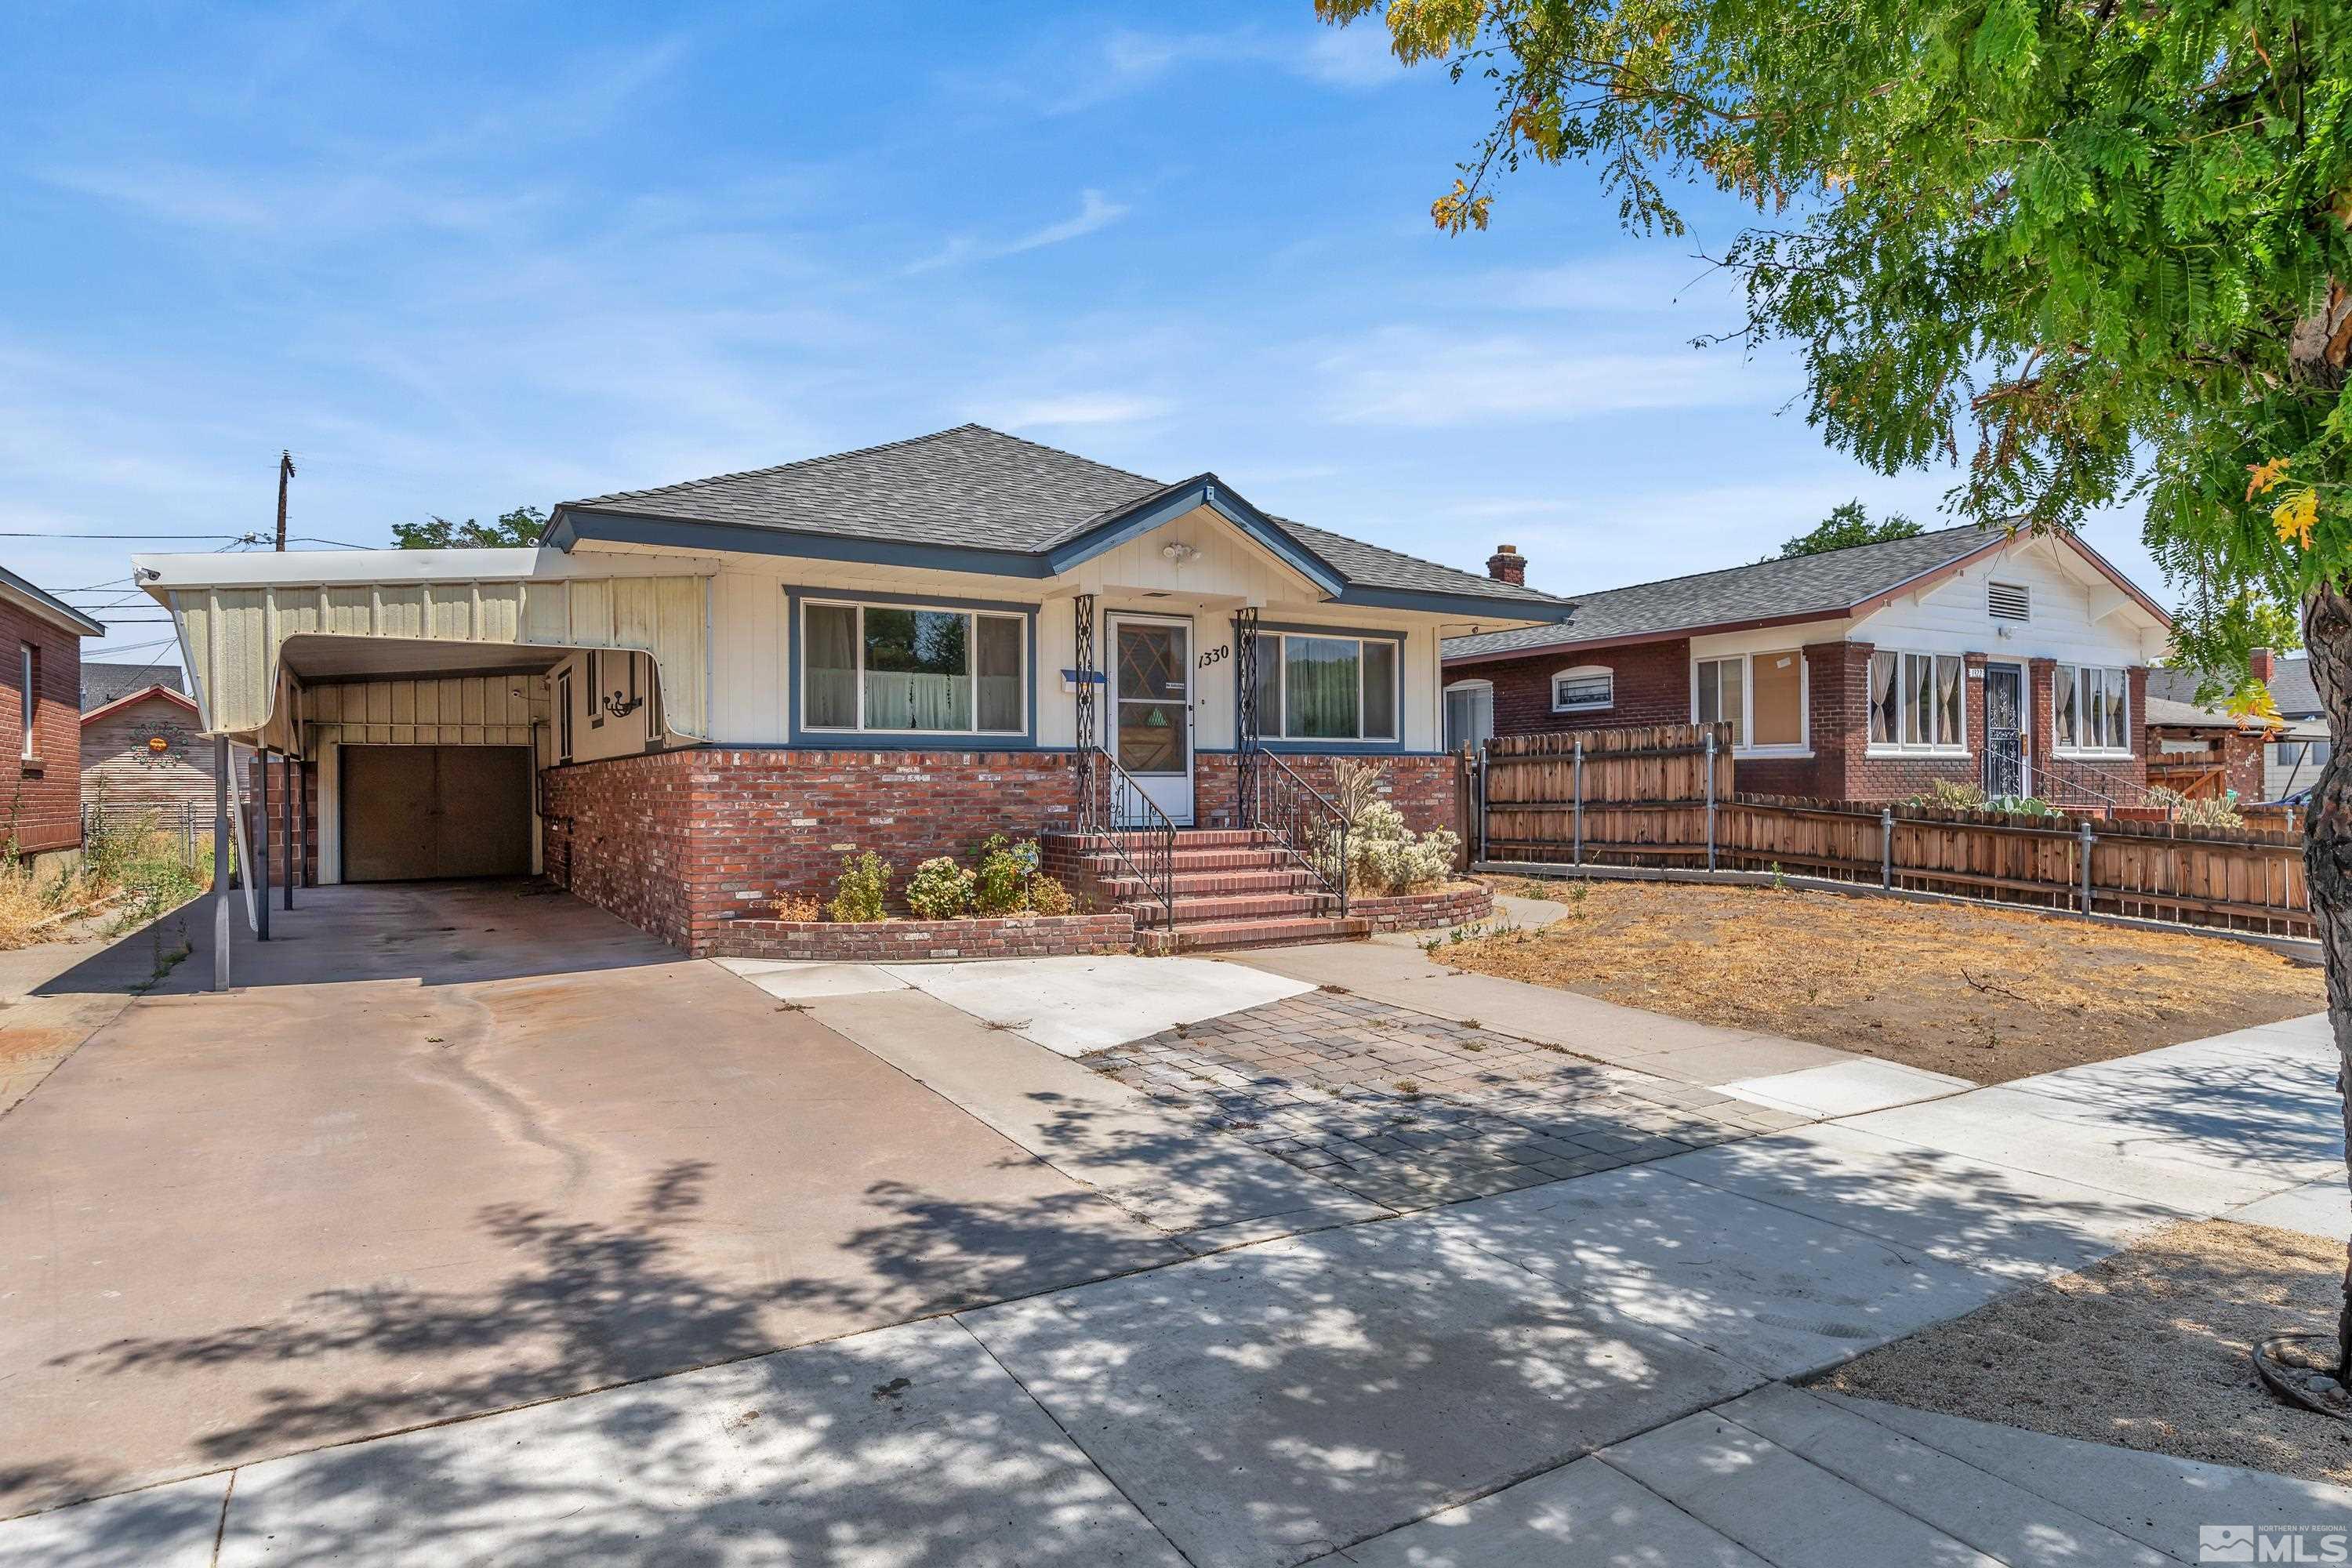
(261, 842)
(220, 862)
(286, 812)
(1886, 846)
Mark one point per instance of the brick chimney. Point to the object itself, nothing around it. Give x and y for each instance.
(2261, 662)
(1507, 565)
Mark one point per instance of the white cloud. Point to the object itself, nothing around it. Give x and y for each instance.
(1612, 285)
(1094, 212)
(1409, 377)
(1060, 78)
(1356, 57)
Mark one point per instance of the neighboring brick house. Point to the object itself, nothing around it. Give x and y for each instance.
(40, 642)
(2293, 752)
(143, 752)
(694, 699)
(1859, 674)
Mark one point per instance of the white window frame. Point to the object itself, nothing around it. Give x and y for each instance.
(29, 700)
(1899, 747)
(1584, 672)
(1469, 685)
(1282, 676)
(858, 644)
(563, 714)
(1742, 748)
(2074, 672)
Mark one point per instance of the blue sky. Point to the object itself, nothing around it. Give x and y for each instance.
(461, 258)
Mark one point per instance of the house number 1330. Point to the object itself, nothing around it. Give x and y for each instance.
(1216, 654)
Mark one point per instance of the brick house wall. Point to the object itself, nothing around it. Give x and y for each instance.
(42, 811)
(1420, 788)
(678, 842)
(123, 777)
(1652, 688)
(304, 781)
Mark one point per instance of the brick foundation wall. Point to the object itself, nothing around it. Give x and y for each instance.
(885, 942)
(1420, 788)
(248, 781)
(622, 835)
(42, 809)
(686, 844)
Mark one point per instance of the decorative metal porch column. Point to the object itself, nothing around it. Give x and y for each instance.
(1245, 715)
(1083, 660)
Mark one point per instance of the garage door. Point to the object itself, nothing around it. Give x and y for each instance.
(415, 812)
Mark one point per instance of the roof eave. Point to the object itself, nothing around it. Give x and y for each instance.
(131, 698)
(572, 525)
(37, 601)
(1629, 639)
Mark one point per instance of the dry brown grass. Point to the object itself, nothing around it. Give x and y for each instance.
(1984, 993)
(2147, 1350)
(128, 871)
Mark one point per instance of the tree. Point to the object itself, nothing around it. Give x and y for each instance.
(1849, 525)
(2085, 252)
(521, 526)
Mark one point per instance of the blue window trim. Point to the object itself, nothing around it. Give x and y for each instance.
(805, 739)
(1282, 745)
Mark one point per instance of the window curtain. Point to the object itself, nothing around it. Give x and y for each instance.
(829, 676)
(1380, 691)
(999, 664)
(1322, 683)
(1886, 706)
(1950, 732)
(2065, 697)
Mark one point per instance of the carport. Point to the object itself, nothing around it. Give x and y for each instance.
(408, 701)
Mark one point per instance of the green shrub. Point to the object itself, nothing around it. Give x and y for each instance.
(859, 892)
(1385, 857)
(1048, 897)
(1949, 795)
(1001, 884)
(2195, 812)
(940, 890)
(2022, 806)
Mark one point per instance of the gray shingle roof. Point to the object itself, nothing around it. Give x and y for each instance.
(2292, 687)
(1828, 583)
(105, 683)
(980, 487)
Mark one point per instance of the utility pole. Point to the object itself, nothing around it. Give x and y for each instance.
(284, 472)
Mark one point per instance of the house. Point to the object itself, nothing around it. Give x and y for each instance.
(2014, 663)
(143, 750)
(41, 636)
(2291, 753)
(690, 701)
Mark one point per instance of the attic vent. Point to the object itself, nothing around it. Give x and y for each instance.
(2009, 601)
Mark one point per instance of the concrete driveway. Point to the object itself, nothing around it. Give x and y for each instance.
(459, 1148)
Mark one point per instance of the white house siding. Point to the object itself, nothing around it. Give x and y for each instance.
(2067, 624)
(752, 642)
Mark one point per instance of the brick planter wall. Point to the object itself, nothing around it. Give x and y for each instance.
(901, 941)
(622, 835)
(1433, 911)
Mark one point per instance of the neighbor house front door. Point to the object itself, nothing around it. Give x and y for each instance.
(2004, 757)
(1151, 709)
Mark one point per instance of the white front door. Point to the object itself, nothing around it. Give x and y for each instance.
(1151, 709)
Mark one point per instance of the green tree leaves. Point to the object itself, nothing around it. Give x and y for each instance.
(520, 527)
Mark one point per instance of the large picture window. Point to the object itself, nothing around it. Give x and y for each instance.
(1761, 695)
(2091, 709)
(904, 669)
(1314, 688)
(1918, 702)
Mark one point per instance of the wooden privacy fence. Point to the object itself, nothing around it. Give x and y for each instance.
(1661, 796)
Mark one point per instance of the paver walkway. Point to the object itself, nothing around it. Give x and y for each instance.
(1583, 1370)
(1408, 1110)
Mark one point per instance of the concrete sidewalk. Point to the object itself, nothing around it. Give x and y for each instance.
(1554, 1374)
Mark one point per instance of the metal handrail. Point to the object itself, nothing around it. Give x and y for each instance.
(1281, 803)
(2110, 790)
(1113, 807)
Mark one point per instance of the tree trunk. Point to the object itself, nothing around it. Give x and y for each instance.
(2327, 862)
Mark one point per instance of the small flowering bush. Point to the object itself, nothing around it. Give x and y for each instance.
(1001, 884)
(941, 890)
(1385, 857)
